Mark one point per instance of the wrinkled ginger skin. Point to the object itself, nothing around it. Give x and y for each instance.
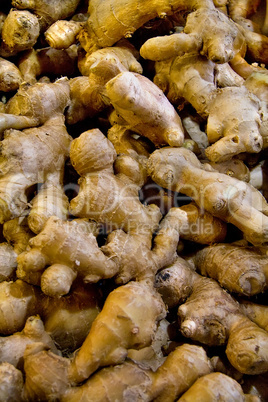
(63, 33)
(11, 383)
(179, 371)
(222, 322)
(70, 248)
(212, 387)
(145, 108)
(20, 31)
(110, 21)
(19, 300)
(23, 170)
(13, 346)
(48, 11)
(225, 197)
(128, 320)
(10, 76)
(207, 31)
(102, 192)
(239, 269)
(33, 105)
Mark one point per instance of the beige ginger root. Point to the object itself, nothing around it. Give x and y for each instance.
(20, 32)
(10, 76)
(48, 11)
(213, 386)
(62, 33)
(13, 346)
(72, 250)
(23, 171)
(118, 327)
(110, 22)
(145, 108)
(239, 269)
(207, 31)
(29, 107)
(256, 312)
(11, 383)
(19, 300)
(35, 63)
(178, 372)
(86, 91)
(225, 197)
(232, 128)
(211, 316)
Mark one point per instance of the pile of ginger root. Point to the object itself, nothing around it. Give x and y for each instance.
(133, 200)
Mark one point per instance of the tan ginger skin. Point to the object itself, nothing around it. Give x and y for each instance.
(13, 346)
(72, 250)
(204, 32)
(239, 269)
(48, 11)
(180, 369)
(118, 327)
(223, 196)
(104, 28)
(87, 90)
(231, 130)
(220, 322)
(214, 386)
(145, 108)
(22, 171)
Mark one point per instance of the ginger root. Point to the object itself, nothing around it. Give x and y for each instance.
(223, 196)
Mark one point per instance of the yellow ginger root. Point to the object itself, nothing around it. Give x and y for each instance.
(50, 143)
(179, 371)
(257, 83)
(72, 250)
(199, 226)
(232, 127)
(48, 61)
(49, 201)
(8, 261)
(17, 233)
(225, 197)
(216, 386)
(68, 320)
(19, 300)
(11, 383)
(86, 91)
(207, 31)
(235, 130)
(109, 22)
(48, 11)
(13, 346)
(102, 192)
(211, 316)
(128, 320)
(256, 312)
(33, 105)
(145, 108)
(239, 269)
(10, 76)
(20, 32)
(62, 33)
(233, 167)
